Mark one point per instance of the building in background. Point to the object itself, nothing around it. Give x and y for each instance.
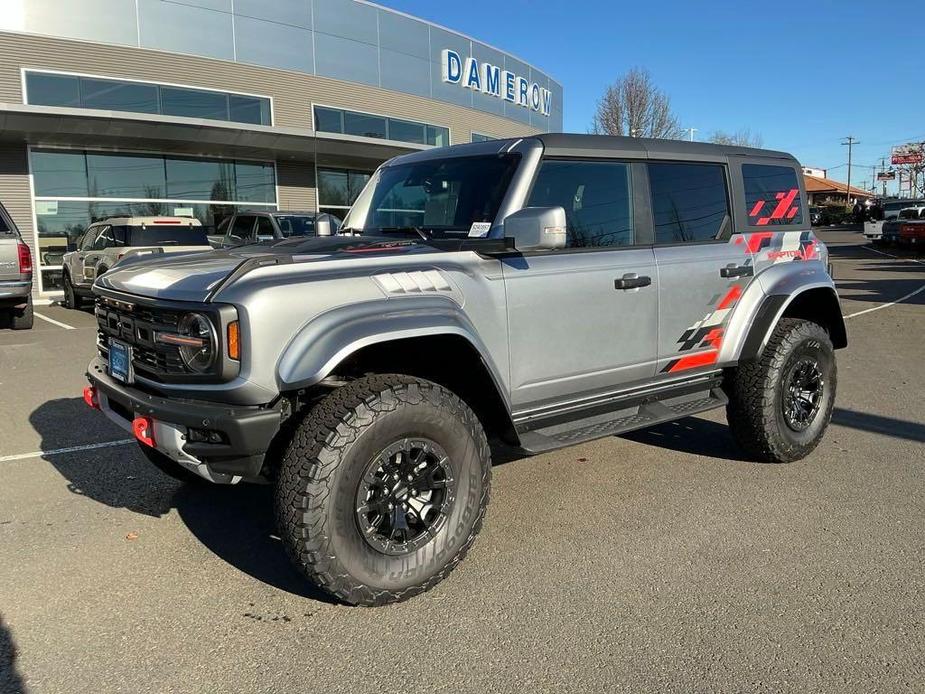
(824, 191)
(199, 108)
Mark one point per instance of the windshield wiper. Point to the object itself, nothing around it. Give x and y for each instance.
(417, 230)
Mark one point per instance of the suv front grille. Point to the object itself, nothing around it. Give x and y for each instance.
(136, 325)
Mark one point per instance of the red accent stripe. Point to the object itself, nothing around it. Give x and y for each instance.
(694, 360)
(757, 208)
(735, 291)
(714, 338)
(755, 240)
(793, 212)
(785, 203)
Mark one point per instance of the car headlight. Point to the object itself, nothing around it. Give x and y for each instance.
(198, 342)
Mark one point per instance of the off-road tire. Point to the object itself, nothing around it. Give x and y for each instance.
(71, 300)
(756, 391)
(22, 318)
(320, 474)
(169, 467)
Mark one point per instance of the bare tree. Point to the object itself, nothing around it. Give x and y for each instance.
(634, 106)
(740, 138)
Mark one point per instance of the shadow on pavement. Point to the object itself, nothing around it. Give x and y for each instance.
(876, 424)
(692, 435)
(10, 680)
(236, 523)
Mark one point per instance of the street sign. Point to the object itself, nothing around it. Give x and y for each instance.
(913, 153)
(886, 176)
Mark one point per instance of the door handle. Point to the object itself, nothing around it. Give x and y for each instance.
(632, 281)
(734, 270)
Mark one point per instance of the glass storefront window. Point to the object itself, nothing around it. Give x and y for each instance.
(53, 90)
(407, 131)
(194, 104)
(200, 179)
(118, 96)
(338, 189)
(254, 182)
(125, 176)
(332, 120)
(60, 173)
(364, 125)
(49, 89)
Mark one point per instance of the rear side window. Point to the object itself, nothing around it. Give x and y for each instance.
(4, 227)
(596, 197)
(689, 202)
(772, 195)
(168, 235)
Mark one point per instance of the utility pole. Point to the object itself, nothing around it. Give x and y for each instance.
(849, 142)
(882, 170)
(691, 131)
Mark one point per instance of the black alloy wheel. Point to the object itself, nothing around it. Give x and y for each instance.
(803, 390)
(405, 496)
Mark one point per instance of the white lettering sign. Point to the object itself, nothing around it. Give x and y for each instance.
(492, 80)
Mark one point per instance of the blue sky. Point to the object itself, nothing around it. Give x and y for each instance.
(802, 74)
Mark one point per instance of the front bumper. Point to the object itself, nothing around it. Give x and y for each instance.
(246, 432)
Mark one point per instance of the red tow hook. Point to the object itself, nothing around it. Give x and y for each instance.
(143, 428)
(91, 397)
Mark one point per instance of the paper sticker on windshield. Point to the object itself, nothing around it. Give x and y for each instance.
(479, 229)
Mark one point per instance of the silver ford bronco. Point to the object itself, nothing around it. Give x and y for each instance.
(538, 292)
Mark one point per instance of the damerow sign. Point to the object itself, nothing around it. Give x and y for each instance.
(494, 81)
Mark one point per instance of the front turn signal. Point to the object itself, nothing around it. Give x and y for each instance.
(234, 341)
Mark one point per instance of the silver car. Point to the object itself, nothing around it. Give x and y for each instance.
(536, 292)
(15, 275)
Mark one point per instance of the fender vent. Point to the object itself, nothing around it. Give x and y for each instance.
(418, 282)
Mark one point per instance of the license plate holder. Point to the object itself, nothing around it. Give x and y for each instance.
(120, 361)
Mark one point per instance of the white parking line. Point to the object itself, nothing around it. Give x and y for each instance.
(69, 449)
(55, 322)
(900, 299)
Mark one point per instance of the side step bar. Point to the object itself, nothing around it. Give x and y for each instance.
(559, 435)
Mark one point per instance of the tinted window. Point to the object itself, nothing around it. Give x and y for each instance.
(4, 227)
(596, 197)
(478, 137)
(264, 227)
(689, 201)
(200, 179)
(53, 90)
(254, 182)
(118, 96)
(439, 137)
(168, 235)
(293, 225)
(104, 240)
(86, 243)
(242, 228)
(329, 120)
(772, 195)
(194, 104)
(363, 124)
(340, 188)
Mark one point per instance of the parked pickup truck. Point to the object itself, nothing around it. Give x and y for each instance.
(886, 230)
(540, 292)
(107, 242)
(249, 227)
(912, 227)
(15, 275)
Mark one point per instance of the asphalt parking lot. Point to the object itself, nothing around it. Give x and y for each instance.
(660, 561)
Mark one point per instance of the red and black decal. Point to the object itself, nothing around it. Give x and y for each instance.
(707, 334)
(783, 211)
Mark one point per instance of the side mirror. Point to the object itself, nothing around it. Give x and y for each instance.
(536, 228)
(71, 247)
(325, 225)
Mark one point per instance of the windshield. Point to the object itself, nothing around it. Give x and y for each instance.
(296, 225)
(439, 196)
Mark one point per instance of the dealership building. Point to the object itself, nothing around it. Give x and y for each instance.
(203, 107)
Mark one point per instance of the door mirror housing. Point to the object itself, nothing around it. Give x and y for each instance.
(325, 225)
(536, 228)
(71, 247)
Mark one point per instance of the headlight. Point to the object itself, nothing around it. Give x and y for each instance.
(200, 346)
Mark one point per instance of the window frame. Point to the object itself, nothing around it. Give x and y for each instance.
(388, 138)
(25, 71)
(642, 215)
(738, 178)
(726, 232)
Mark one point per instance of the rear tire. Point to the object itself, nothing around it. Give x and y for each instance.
(383, 489)
(780, 404)
(169, 467)
(22, 318)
